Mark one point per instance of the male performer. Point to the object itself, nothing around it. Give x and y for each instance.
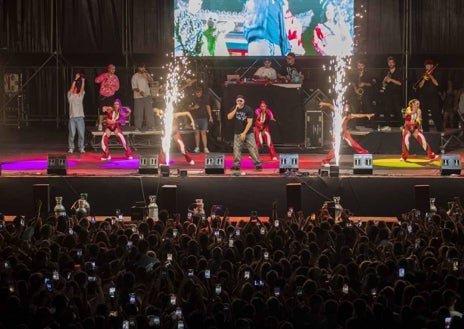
(243, 133)
(109, 86)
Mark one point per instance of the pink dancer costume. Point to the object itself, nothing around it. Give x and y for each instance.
(412, 127)
(347, 137)
(113, 118)
(177, 137)
(262, 131)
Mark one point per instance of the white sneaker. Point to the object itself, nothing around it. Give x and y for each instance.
(100, 127)
(327, 165)
(81, 151)
(192, 163)
(130, 157)
(103, 158)
(402, 159)
(196, 150)
(206, 150)
(274, 159)
(71, 151)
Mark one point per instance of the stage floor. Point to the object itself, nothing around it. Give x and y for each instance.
(117, 183)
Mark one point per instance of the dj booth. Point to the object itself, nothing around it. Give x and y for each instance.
(286, 100)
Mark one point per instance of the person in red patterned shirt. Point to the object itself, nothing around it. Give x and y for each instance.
(109, 86)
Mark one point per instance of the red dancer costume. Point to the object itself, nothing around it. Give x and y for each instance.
(346, 133)
(114, 114)
(177, 137)
(412, 127)
(263, 115)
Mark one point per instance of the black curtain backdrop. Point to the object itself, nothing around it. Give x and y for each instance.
(48, 40)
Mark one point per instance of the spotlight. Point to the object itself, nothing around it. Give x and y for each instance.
(214, 163)
(288, 162)
(450, 164)
(148, 164)
(57, 164)
(362, 164)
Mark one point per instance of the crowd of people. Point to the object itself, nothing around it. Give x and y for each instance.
(204, 271)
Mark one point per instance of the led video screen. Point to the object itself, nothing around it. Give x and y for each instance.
(263, 27)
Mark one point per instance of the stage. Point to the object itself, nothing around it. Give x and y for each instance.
(117, 184)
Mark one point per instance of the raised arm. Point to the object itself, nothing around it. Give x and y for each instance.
(186, 114)
(326, 104)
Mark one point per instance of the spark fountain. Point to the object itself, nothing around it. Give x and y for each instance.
(338, 67)
(177, 73)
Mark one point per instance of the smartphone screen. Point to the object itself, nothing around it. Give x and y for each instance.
(401, 272)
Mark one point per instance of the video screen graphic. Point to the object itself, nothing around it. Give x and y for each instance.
(263, 27)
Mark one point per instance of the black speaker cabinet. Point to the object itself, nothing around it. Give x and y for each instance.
(41, 199)
(422, 198)
(294, 196)
(168, 199)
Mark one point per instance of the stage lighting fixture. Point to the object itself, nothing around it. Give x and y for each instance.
(214, 163)
(288, 162)
(450, 164)
(362, 164)
(165, 171)
(148, 164)
(57, 164)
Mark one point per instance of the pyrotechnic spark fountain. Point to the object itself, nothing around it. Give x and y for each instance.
(338, 67)
(177, 73)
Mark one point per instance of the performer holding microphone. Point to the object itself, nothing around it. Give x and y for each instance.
(243, 133)
(142, 99)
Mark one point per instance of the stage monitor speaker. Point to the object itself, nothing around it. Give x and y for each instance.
(332, 171)
(148, 164)
(422, 198)
(288, 163)
(294, 196)
(168, 198)
(214, 163)
(41, 198)
(165, 170)
(450, 164)
(57, 164)
(362, 164)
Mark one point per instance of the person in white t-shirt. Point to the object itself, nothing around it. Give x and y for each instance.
(76, 113)
(266, 72)
(143, 108)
